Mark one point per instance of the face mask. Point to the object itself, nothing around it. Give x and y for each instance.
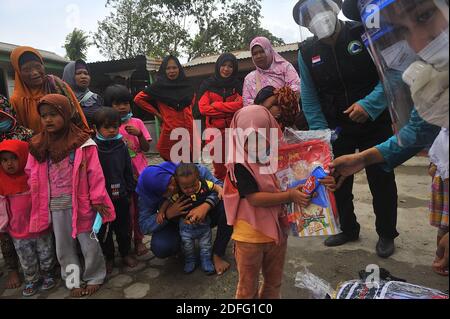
(436, 53)
(6, 125)
(96, 226)
(262, 157)
(104, 139)
(323, 25)
(399, 56)
(127, 117)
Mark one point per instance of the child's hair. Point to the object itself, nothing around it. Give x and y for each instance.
(264, 94)
(187, 169)
(106, 116)
(117, 94)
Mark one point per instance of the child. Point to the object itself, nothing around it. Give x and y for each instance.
(116, 164)
(284, 106)
(253, 202)
(68, 189)
(11, 130)
(439, 200)
(220, 97)
(138, 139)
(197, 190)
(35, 251)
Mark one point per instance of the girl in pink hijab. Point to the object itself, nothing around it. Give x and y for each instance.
(253, 204)
(271, 70)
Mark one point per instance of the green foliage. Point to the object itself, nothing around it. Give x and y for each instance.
(76, 45)
(182, 27)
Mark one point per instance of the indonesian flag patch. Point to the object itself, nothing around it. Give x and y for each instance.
(316, 59)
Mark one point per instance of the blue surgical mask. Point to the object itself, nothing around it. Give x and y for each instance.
(104, 139)
(96, 226)
(127, 117)
(6, 125)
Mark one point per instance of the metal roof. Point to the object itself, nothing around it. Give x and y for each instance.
(47, 55)
(240, 55)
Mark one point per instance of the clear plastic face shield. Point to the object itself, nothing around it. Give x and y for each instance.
(320, 17)
(408, 40)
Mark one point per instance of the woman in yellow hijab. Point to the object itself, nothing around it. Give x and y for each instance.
(32, 83)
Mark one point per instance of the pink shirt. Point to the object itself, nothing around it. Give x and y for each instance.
(60, 176)
(138, 159)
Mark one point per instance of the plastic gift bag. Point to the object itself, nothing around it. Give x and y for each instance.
(299, 161)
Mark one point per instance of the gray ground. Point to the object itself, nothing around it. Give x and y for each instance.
(415, 252)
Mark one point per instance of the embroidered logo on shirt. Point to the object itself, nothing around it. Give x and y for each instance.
(355, 47)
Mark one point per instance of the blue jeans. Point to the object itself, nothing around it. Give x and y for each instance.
(167, 241)
(189, 234)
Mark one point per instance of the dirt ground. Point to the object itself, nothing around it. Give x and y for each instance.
(416, 246)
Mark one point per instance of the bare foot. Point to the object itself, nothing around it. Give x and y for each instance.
(130, 261)
(220, 265)
(77, 292)
(13, 281)
(141, 249)
(92, 289)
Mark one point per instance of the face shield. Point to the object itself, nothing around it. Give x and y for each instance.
(408, 40)
(320, 17)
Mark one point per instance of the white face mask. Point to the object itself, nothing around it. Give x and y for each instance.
(399, 56)
(323, 25)
(436, 52)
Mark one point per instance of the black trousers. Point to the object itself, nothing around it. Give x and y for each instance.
(119, 227)
(382, 184)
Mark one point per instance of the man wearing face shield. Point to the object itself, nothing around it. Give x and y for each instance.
(341, 88)
(397, 28)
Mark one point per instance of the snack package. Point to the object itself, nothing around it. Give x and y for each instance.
(304, 163)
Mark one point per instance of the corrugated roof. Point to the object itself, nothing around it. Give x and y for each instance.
(47, 55)
(240, 55)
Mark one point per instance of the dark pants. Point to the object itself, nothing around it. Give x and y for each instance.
(167, 241)
(120, 227)
(382, 184)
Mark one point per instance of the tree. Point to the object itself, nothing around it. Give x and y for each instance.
(182, 27)
(76, 45)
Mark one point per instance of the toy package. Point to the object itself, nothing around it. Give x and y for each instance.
(302, 164)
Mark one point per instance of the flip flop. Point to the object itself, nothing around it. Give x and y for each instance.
(441, 271)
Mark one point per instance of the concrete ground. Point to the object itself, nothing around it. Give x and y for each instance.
(164, 279)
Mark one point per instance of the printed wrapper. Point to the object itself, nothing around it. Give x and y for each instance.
(296, 165)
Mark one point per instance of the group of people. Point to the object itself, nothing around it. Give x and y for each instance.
(75, 171)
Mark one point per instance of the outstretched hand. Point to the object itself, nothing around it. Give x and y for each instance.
(346, 166)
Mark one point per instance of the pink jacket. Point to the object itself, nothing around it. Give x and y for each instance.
(88, 189)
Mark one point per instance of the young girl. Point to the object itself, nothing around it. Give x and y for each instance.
(439, 200)
(253, 203)
(66, 178)
(170, 99)
(138, 139)
(116, 163)
(11, 130)
(283, 104)
(221, 97)
(35, 250)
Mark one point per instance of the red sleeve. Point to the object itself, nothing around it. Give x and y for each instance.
(217, 109)
(141, 100)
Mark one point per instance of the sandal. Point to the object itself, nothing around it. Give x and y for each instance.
(30, 289)
(48, 284)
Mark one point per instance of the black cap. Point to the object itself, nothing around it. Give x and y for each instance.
(351, 10)
(295, 12)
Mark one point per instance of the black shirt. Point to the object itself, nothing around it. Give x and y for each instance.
(246, 183)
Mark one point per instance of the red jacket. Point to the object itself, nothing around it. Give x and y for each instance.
(172, 120)
(218, 112)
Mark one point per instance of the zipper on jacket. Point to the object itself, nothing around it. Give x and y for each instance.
(340, 76)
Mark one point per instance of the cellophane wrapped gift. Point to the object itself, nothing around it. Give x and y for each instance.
(299, 161)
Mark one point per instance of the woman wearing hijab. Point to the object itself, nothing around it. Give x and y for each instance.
(156, 184)
(271, 70)
(221, 97)
(76, 74)
(170, 99)
(31, 84)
